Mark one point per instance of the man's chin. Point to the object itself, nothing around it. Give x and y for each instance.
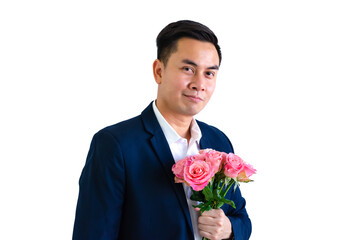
(192, 112)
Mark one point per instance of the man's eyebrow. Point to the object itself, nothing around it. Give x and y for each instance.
(188, 61)
(215, 67)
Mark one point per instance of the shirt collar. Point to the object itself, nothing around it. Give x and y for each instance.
(170, 133)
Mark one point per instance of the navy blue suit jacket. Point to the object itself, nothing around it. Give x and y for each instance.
(127, 188)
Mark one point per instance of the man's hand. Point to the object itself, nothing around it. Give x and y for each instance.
(214, 225)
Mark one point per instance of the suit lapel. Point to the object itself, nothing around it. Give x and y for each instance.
(164, 155)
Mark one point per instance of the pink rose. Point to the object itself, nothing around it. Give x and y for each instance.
(203, 151)
(249, 170)
(197, 157)
(236, 167)
(246, 173)
(179, 180)
(178, 168)
(198, 173)
(233, 165)
(215, 158)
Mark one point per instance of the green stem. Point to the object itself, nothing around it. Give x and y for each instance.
(223, 184)
(230, 184)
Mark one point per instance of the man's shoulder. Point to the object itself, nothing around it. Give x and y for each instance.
(123, 130)
(129, 127)
(125, 125)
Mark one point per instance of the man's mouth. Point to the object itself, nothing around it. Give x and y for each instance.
(194, 98)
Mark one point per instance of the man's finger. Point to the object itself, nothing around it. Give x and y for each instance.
(215, 213)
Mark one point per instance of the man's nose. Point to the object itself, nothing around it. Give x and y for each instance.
(198, 82)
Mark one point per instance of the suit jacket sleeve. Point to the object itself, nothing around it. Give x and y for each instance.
(241, 224)
(101, 188)
(238, 217)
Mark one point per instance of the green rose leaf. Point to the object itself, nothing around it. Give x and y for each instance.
(208, 193)
(217, 195)
(230, 202)
(219, 204)
(197, 196)
(207, 207)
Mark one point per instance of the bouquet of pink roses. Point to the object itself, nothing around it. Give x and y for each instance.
(210, 175)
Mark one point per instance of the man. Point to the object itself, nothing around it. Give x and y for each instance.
(127, 189)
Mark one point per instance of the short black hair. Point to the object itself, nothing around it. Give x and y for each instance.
(167, 39)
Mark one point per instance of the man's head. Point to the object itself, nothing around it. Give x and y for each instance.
(186, 69)
(167, 39)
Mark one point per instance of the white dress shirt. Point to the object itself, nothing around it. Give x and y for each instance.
(180, 149)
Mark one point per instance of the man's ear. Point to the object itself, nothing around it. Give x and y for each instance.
(158, 71)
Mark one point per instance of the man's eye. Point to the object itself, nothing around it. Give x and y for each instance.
(188, 69)
(210, 74)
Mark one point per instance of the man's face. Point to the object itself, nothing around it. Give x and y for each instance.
(188, 81)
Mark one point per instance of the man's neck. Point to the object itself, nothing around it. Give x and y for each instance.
(180, 123)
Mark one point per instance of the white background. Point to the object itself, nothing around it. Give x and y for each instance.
(288, 96)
